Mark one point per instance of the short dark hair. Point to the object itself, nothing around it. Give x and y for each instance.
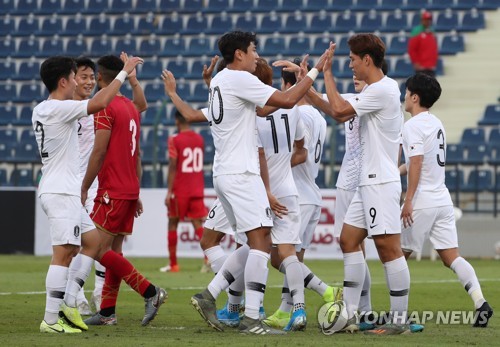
(264, 71)
(363, 44)
(221, 65)
(233, 40)
(384, 67)
(55, 68)
(109, 66)
(179, 117)
(289, 77)
(426, 87)
(85, 61)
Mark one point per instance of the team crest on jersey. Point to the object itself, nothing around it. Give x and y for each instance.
(268, 213)
(76, 231)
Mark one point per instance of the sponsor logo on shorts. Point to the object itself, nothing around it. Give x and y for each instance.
(76, 231)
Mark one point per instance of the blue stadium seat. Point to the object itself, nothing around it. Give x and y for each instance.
(402, 69)
(149, 117)
(197, 67)
(454, 154)
(51, 26)
(126, 90)
(479, 180)
(192, 5)
(7, 46)
(124, 24)
(291, 5)
(472, 21)
(167, 6)
(178, 67)
(491, 117)
(209, 153)
(342, 47)
(241, 5)
(446, 21)
(341, 5)
(159, 135)
(345, 22)
(321, 178)
(78, 46)
(489, 4)
(7, 91)
(266, 5)
(8, 136)
(99, 25)
(321, 22)
(452, 44)
(199, 45)
(8, 69)
(149, 24)
(454, 180)
(28, 25)
(183, 89)
(473, 136)
(477, 154)
(390, 5)
(295, 23)
(196, 24)
(28, 47)
(21, 178)
(151, 46)
(121, 6)
(440, 4)
(7, 25)
(299, 45)
(9, 114)
(274, 45)
(26, 115)
(494, 138)
(466, 4)
(246, 22)
(399, 44)
(396, 21)
(154, 91)
(494, 153)
(363, 5)
(321, 43)
(208, 179)
(147, 179)
(3, 174)
(96, 6)
(26, 6)
(371, 21)
(75, 25)
(174, 47)
(101, 46)
(52, 46)
(217, 6)
(144, 6)
(27, 152)
(149, 151)
(200, 93)
(271, 23)
(72, 6)
(27, 136)
(151, 68)
(127, 44)
(8, 6)
(220, 24)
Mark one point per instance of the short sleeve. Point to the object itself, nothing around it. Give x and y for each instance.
(368, 101)
(172, 150)
(414, 140)
(103, 120)
(300, 131)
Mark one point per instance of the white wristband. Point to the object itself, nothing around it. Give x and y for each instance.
(313, 74)
(122, 75)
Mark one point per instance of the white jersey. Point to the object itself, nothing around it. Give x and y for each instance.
(424, 134)
(380, 122)
(56, 131)
(86, 138)
(234, 96)
(305, 174)
(277, 132)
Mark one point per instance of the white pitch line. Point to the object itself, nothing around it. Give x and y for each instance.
(271, 286)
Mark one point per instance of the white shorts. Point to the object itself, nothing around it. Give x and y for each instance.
(376, 209)
(217, 220)
(244, 199)
(286, 230)
(68, 219)
(309, 218)
(437, 224)
(343, 199)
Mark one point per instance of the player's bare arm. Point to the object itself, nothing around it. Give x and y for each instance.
(192, 115)
(299, 154)
(172, 169)
(278, 209)
(95, 161)
(103, 97)
(139, 209)
(208, 71)
(138, 97)
(413, 179)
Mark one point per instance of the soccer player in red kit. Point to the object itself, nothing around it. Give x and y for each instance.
(116, 160)
(185, 185)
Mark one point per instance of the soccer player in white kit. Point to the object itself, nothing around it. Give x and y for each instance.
(375, 205)
(428, 211)
(234, 95)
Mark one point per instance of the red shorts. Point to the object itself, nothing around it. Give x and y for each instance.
(190, 207)
(114, 216)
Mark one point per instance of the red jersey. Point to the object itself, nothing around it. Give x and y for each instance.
(423, 48)
(187, 149)
(118, 175)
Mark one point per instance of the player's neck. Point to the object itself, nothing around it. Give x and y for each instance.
(58, 95)
(375, 75)
(418, 110)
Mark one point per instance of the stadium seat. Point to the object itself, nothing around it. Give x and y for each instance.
(71, 6)
(149, 24)
(96, 6)
(291, 5)
(75, 25)
(454, 180)
(9, 114)
(220, 24)
(494, 138)
(466, 4)
(479, 180)
(7, 25)
(52, 46)
(241, 5)
(120, 6)
(27, 136)
(246, 22)
(101, 46)
(99, 25)
(8, 91)
(21, 178)
(51, 26)
(151, 46)
(3, 174)
(265, 5)
(494, 154)
(342, 47)
(270, 23)
(216, 6)
(399, 44)
(200, 93)
(321, 179)
(7, 46)
(144, 6)
(321, 43)
(183, 89)
(446, 21)
(78, 46)
(299, 45)
(169, 5)
(178, 67)
(396, 21)
(197, 67)
(489, 4)
(148, 181)
(473, 136)
(192, 5)
(8, 5)
(454, 154)
(472, 21)
(390, 5)
(371, 21)
(29, 70)
(295, 23)
(440, 4)
(151, 68)
(208, 179)
(26, 115)
(209, 152)
(28, 47)
(124, 24)
(341, 5)
(174, 47)
(477, 154)
(274, 45)
(26, 6)
(8, 136)
(199, 45)
(127, 44)
(345, 22)
(402, 69)
(8, 68)
(27, 152)
(320, 22)
(154, 90)
(196, 24)
(452, 44)
(151, 116)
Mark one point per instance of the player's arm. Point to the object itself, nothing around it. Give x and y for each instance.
(299, 154)
(96, 159)
(413, 179)
(139, 209)
(172, 169)
(403, 171)
(192, 115)
(103, 97)
(208, 71)
(138, 97)
(278, 209)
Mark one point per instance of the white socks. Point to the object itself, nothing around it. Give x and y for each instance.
(467, 276)
(100, 273)
(313, 282)
(295, 278)
(79, 271)
(286, 299)
(354, 276)
(365, 303)
(55, 285)
(216, 257)
(398, 282)
(255, 281)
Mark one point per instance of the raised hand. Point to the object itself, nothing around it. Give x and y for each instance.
(320, 65)
(329, 57)
(169, 82)
(124, 57)
(208, 71)
(131, 63)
